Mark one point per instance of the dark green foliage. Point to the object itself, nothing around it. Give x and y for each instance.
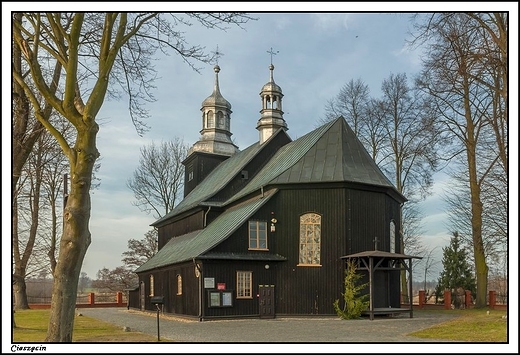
(354, 303)
(456, 273)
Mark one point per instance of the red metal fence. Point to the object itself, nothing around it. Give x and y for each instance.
(119, 299)
(90, 300)
(466, 303)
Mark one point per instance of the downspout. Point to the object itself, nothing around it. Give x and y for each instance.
(262, 191)
(205, 216)
(200, 289)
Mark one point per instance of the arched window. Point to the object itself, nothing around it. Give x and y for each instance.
(310, 239)
(220, 120)
(151, 286)
(179, 284)
(392, 236)
(211, 120)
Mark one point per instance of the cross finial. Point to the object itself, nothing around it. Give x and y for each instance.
(376, 240)
(272, 53)
(217, 54)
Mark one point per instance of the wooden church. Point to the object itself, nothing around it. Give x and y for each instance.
(265, 231)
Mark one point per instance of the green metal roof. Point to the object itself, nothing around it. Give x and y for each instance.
(284, 159)
(191, 245)
(262, 256)
(337, 155)
(330, 153)
(215, 181)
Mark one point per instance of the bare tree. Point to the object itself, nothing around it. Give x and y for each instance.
(351, 103)
(410, 157)
(157, 182)
(400, 133)
(26, 132)
(26, 128)
(25, 231)
(465, 72)
(140, 251)
(95, 50)
(116, 280)
(37, 208)
(429, 264)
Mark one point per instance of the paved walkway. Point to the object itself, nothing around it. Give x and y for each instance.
(279, 330)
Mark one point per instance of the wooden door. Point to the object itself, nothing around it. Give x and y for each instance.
(266, 301)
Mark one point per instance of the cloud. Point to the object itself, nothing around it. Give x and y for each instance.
(331, 23)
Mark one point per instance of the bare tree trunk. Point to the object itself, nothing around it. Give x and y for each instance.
(476, 203)
(75, 239)
(21, 260)
(20, 291)
(476, 225)
(19, 294)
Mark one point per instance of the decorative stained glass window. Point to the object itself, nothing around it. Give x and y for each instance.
(258, 235)
(244, 284)
(310, 239)
(151, 286)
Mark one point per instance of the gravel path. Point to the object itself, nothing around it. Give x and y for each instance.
(278, 330)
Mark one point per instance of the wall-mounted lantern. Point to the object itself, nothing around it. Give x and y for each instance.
(273, 224)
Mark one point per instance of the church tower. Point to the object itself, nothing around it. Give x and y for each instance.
(214, 145)
(271, 118)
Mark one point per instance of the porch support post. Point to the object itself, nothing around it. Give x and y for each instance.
(410, 295)
(371, 285)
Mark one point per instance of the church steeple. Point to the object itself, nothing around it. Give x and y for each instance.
(214, 145)
(216, 115)
(271, 118)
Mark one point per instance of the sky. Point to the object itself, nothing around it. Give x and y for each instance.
(316, 54)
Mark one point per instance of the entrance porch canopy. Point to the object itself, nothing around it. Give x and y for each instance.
(376, 260)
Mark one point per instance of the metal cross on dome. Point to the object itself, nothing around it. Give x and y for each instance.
(217, 54)
(272, 53)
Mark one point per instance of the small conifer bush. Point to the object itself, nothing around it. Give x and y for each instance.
(354, 303)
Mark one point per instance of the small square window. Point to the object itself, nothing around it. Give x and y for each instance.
(244, 284)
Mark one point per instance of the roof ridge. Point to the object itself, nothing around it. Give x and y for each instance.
(280, 163)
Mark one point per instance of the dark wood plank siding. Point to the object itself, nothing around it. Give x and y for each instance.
(313, 289)
(189, 224)
(226, 272)
(367, 219)
(165, 284)
(350, 221)
(309, 289)
(394, 214)
(199, 165)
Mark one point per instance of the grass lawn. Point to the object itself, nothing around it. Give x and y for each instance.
(31, 326)
(473, 325)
